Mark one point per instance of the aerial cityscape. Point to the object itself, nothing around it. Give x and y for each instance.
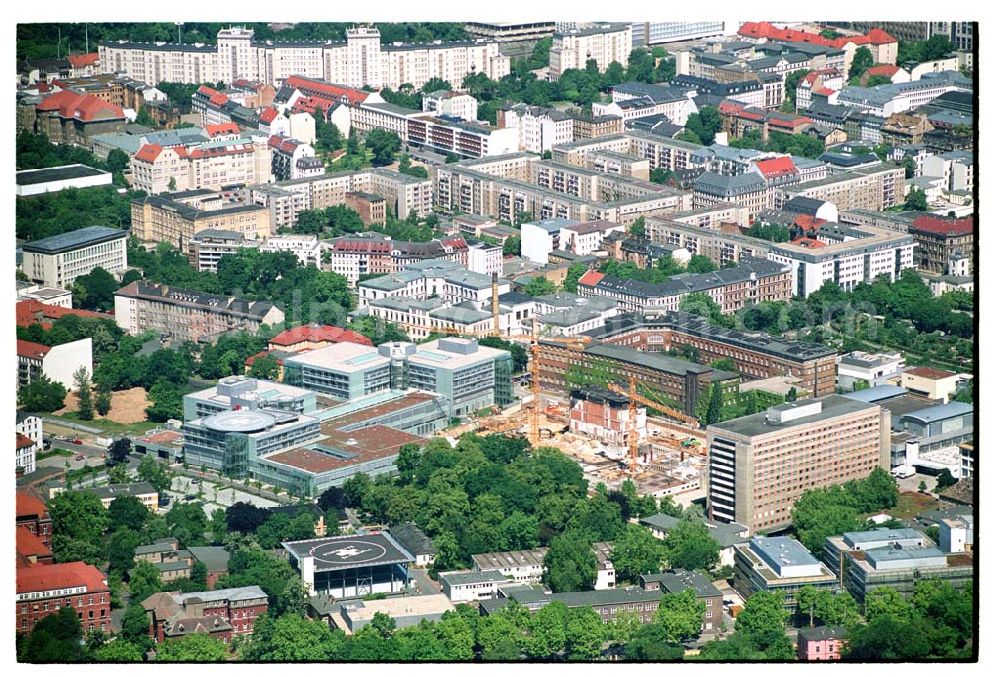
(480, 341)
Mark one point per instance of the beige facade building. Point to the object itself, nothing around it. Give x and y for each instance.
(58, 260)
(178, 218)
(604, 44)
(876, 188)
(211, 164)
(187, 315)
(760, 465)
(359, 61)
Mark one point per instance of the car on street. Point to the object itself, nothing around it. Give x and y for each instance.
(79, 457)
(195, 481)
(77, 441)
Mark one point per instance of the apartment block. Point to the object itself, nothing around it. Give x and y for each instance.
(58, 260)
(187, 315)
(220, 614)
(43, 589)
(183, 217)
(938, 239)
(210, 164)
(760, 465)
(779, 564)
(451, 103)
(362, 60)
(57, 363)
(876, 188)
(539, 129)
(604, 43)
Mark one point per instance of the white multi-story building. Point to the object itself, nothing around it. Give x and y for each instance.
(305, 247)
(57, 363)
(958, 168)
(485, 259)
(455, 104)
(604, 43)
(539, 129)
(211, 164)
(30, 426)
(872, 368)
(362, 60)
(58, 260)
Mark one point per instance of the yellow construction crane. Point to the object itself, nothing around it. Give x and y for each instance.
(574, 343)
(634, 398)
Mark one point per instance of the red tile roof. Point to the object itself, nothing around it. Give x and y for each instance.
(220, 129)
(23, 441)
(30, 506)
(268, 115)
(326, 90)
(31, 349)
(885, 69)
(931, 373)
(149, 152)
(590, 278)
(82, 107)
(824, 91)
(313, 333)
(81, 60)
(807, 222)
(808, 243)
(365, 246)
(774, 167)
(939, 226)
(218, 99)
(809, 78)
(28, 544)
(31, 312)
(763, 29)
(206, 91)
(59, 576)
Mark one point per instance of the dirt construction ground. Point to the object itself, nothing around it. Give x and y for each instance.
(127, 406)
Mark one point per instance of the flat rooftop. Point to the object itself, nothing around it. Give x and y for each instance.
(74, 239)
(833, 406)
(339, 449)
(434, 353)
(408, 605)
(513, 558)
(377, 410)
(348, 552)
(343, 357)
(31, 177)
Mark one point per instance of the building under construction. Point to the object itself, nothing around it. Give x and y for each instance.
(606, 416)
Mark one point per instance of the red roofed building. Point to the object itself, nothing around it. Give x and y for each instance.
(590, 278)
(33, 516)
(24, 452)
(73, 118)
(31, 550)
(44, 590)
(311, 337)
(84, 64)
(938, 238)
(884, 47)
(325, 90)
(223, 129)
(778, 171)
(226, 160)
(35, 312)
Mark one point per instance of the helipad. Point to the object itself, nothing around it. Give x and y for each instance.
(348, 552)
(243, 421)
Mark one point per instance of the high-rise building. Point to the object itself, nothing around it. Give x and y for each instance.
(760, 465)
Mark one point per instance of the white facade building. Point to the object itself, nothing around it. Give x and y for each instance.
(305, 247)
(872, 368)
(456, 104)
(604, 44)
(539, 129)
(485, 259)
(58, 260)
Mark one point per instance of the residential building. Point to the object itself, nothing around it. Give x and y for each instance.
(823, 643)
(293, 159)
(539, 129)
(55, 179)
(866, 560)
(73, 118)
(876, 188)
(415, 541)
(586, 126)
(903, 129)
(604, 43)
(207, 246)
(58, 260)
(220, 614)
(170, 560)
(727, 535)
(759, 465)
(43, 589)
(311, 337)
(779, 564)
(404, 611)
(938, 238)
(485, 259)
(24, 455)
(189, 315)
(30, 426)
(884, 100)
(746, 190)
(219, 162)
(30, 549)
(306, 248)
(447, 134)
(660, 32)
(523, 566)
(57, 363)
(360, 61)
(883, 46)
(516, 39)
(216, 561)
(957, 167)
(369, 206)
(50, 297)
(451, 103)
(750, 282)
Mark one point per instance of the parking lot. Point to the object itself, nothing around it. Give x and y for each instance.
(185, 489)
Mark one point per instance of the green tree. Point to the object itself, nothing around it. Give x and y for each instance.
(540, 286)
(85, 397)
(876, 80)
(42, 395)
(95, 290)
(265, 367)
(55, 639)
(863, 60)
(135, 624)
(196, 648)
(384, 145)
(808, 598)
(837, 609)
(290, 638)
(916, 200)
(548, 632)
(637, 552)
(638, 228)
(714, 413)
(573, 275)
(149, 470)
(886, 601)
(792, 81)
(144, 580)
(570, 563)
(78, 524)
(119, 651)
(102, 402)
(584, 634)
(121, 549)
(512, 246)
(690, 545)
(680, 615)
(127, 512)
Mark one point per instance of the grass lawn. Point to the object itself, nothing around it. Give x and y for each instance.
(911, 504)
(53, 452)
(108, 426)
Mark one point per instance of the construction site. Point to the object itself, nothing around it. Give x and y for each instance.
(613, 432)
